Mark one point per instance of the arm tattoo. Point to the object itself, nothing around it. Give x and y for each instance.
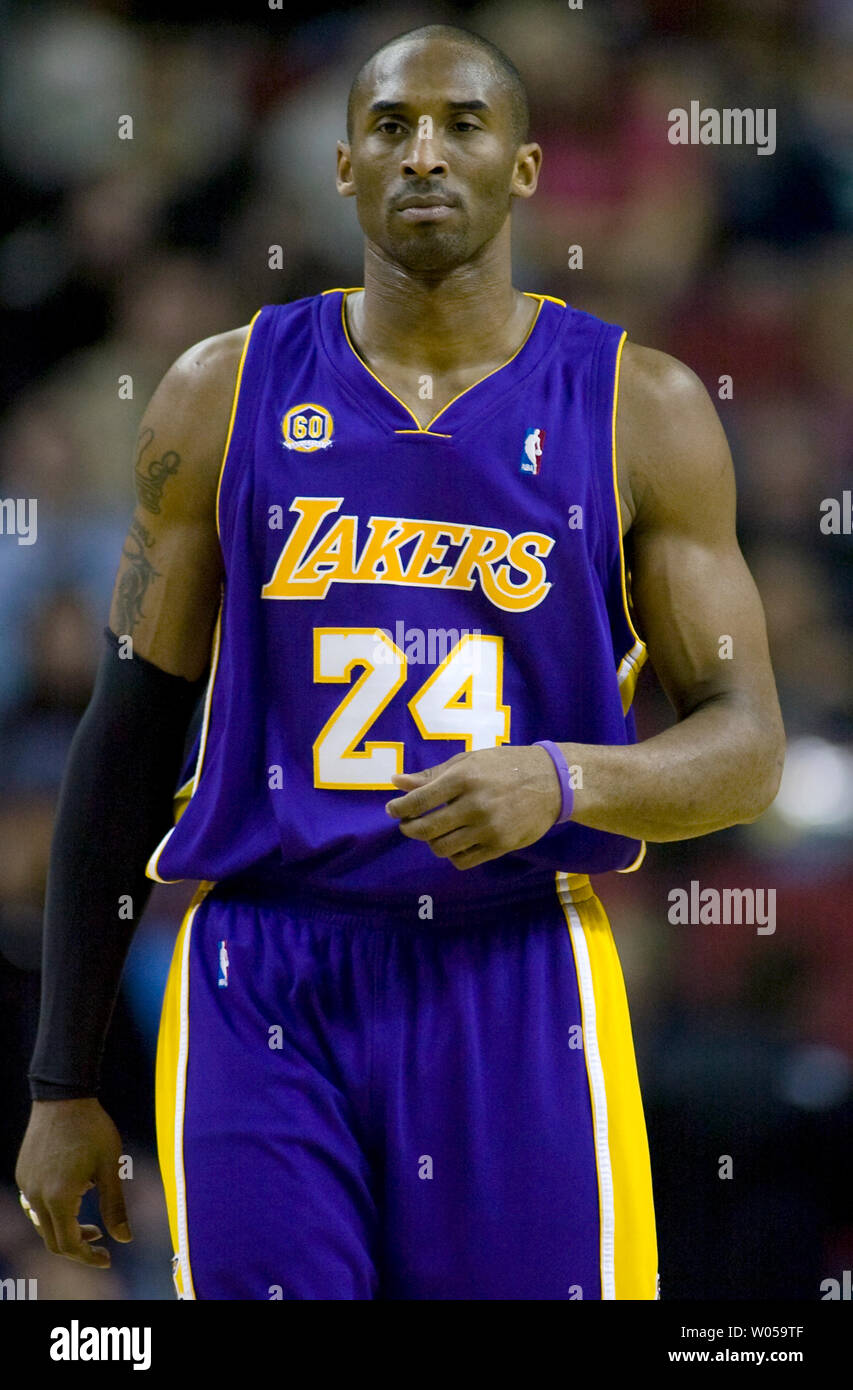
(151, 476)
(136, 578)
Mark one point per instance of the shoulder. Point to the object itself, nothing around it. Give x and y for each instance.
(656, 389)
(210, 365)
(198, 388)
(186, 421)
(669, 439)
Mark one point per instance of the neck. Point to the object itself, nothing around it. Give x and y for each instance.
(438, 322)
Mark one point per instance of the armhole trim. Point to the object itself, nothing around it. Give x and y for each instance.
(629, 868)
(633, 660)
(234, 401)
(185, 793)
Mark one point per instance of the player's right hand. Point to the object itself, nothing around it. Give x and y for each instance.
(69, 1147)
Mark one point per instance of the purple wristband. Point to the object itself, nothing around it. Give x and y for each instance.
(563, 773)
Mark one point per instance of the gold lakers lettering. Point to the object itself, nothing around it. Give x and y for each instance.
(446, 555)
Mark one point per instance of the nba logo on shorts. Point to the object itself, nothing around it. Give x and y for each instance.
(531, 454)
(222, 981)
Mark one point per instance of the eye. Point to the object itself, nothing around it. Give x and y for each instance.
(389, 126)
(465, 125)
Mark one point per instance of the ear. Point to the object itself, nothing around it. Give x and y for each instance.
(528, 163)
(344, 182)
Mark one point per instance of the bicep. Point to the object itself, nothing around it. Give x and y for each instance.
(168, 585)
(697, 608)
(166, 592)
(695, 601)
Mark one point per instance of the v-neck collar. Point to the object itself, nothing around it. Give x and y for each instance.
(345, 358)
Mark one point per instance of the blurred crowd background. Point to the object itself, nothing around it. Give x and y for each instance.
(115, 255)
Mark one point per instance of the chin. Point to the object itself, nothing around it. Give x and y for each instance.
(430, 252)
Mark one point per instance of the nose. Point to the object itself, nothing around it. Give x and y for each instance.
(423, 157)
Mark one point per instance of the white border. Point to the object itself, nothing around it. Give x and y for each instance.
(180, 1102)
(597, 1088)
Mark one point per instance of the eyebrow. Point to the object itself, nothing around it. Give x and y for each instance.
(377, 107)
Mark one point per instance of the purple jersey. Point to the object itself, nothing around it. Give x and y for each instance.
(395, 594)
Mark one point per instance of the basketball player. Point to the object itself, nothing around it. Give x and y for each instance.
(384, 528)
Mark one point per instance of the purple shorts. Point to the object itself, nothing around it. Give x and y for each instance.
(352, 1105)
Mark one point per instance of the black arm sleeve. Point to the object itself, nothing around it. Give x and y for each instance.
(115, 805)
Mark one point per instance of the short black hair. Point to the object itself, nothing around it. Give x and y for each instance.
(506, 72)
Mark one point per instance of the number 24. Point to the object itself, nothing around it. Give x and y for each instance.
(461, 699)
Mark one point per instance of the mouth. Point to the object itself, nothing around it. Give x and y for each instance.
(427, 208)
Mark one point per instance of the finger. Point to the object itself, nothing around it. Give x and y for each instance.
(457, 843)
(44, 1225)
(113, 1209)
(71, 1242)
(441, 822)
(409, 779)
(438, 791)
(470, 858)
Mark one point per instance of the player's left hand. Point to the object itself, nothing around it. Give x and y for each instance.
(480, 805)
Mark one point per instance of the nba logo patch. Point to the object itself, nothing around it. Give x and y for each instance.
(531, 454)
(222, 979)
